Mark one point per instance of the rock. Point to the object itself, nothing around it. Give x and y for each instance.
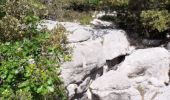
(49, 24)
(168, 46)
(151, 64)
(163, 94)
(135, 74)
(71, 27)
(102, 24)
(71, 90)
(91, 50)
(87, 57)
(141, 75)
(103, 88)
(84, 97)
(84, 85)
(79, 35)
(111, 80)
(115, 44)
(117, 96)
(104, 13)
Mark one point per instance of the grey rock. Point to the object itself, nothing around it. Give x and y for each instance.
(111, 80)
(151, 64)
(102, 24)
(72, 90)
(103, 88)
(49, 24)
(163, 94)
(79, 35)
(84, 85)
(87, 57)
(71, 27)
(168, 46)
(142, 74)
(115, 44)
(116, 96)
(101, 14)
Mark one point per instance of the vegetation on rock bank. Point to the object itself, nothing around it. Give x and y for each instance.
(29, 58)
(149, 18)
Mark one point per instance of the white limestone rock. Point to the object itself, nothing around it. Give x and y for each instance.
(115, 44)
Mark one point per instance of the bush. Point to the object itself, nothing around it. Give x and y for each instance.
(29, 58)
(155, 19)
(141, 16)
(20, 19)
(30, 68)
(67, 10)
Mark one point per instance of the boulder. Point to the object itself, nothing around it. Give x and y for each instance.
(102, 24)
(87, 57)
(91, 49)
(71, 90)
(105, 86)
(111, 80)
(79, 35)
(49, 24)
(142, 75)
(104, 13)
(150, 64)
(115, 44)
(71, 27)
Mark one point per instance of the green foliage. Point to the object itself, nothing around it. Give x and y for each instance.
(114, 2)
(19, 19)
(156, 20)
(136, 16)
(29, 58)
(31, 66)
(89, 3)
(68, 10)
(141, 16)
(85, 18)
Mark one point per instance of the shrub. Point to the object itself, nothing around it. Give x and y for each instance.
(141, 16)
(29, 68)
(155, 19)
(19, 20)
(29, 58)
(84, 5)
(67, 10)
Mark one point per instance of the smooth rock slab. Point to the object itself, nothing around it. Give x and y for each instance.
(163, 94)
(79, 35)
(151, 64)
(111, 80)
(103, 88)
(49, 24)
(115, 44)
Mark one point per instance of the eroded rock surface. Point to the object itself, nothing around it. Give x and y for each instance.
(143, 74)
(105, 66)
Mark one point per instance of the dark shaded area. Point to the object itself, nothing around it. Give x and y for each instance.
(111, 63)
(93, 75)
